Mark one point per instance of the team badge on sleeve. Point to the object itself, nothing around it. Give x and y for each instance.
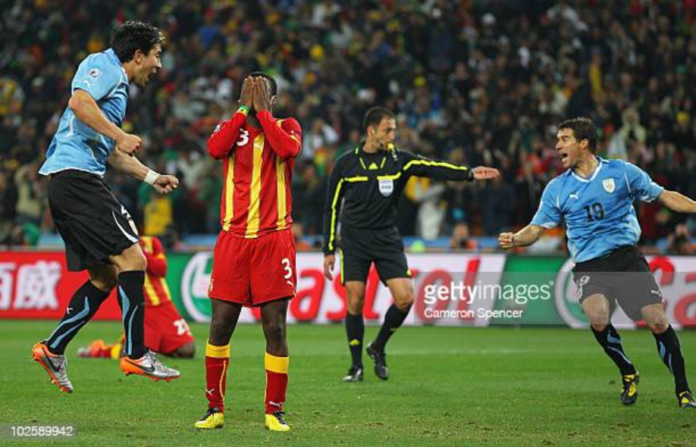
(609, 185)
(95, 73)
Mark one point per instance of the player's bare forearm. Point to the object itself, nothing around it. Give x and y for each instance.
(527, 235)
(87, 110)
(523, 238)
(128, 165)
(677, 202)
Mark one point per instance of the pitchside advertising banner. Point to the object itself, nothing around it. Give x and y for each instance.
(451, 289)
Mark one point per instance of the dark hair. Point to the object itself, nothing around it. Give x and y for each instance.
(583, 129)
(274, 84)
(375, 115)
(126, 39)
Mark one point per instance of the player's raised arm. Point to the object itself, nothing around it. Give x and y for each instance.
(677, 202)
(523, 238)
(223, 139)
(86, 110)
(285, 138)
(163, 184)
(547, 216)
(441, 170)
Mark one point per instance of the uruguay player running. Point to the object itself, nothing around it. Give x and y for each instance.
(99, 233)
(595, 199)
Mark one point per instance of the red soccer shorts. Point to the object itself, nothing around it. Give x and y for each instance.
(254, 271)
(165, 330)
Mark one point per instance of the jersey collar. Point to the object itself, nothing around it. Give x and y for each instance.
(600, 162)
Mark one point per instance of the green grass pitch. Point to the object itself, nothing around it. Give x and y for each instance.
(449, 386)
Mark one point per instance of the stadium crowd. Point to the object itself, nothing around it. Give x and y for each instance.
(473, 82)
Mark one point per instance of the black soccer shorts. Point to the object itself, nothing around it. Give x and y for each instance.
(622, 276)
(92, 223)
(360, 248)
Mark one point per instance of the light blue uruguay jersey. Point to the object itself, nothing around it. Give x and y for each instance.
(76, 145)
(598, 211)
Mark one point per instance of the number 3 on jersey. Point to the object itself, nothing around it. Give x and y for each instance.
(243, 137)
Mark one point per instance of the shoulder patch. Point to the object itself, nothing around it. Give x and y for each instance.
(94, 73)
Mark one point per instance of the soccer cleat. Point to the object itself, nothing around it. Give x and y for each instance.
(686, 400)
(55, 365)
(355, 374)
(212, 418)
(629, 395)
(276, 422)
(380, 359)
(92, 350)
(149, 366)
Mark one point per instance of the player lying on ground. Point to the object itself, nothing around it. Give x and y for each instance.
(595, 199)
(366, 183)
(98, 232)
(165, 331)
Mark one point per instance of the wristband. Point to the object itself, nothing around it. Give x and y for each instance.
(243, 109)
(151, 177)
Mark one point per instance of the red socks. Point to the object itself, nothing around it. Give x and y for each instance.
(217, 360)
(276, 382)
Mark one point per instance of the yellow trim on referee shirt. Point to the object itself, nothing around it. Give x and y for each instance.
(334, 202)
(435, 163)
(218, 352)
(275, 364)
(254, 218)
(282, 200)
(229, 194)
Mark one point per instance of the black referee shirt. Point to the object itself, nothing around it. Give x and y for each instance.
(368, 187)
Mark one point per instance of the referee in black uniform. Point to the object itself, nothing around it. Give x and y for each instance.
(367, 183)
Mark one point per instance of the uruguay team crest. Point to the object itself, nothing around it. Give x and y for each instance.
(609, 185)
(386, 187)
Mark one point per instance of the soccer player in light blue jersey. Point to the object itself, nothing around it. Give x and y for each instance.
(595, 199)
(98, 231)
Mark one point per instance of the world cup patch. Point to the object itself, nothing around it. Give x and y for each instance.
(386, 187)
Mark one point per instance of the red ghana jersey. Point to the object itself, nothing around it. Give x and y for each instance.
(155, 289)
(258, 165)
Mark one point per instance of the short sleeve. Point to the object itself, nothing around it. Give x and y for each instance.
(549, 214)
(640, 185)
(96, 77)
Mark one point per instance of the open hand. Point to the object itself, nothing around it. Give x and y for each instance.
(485, 173)
(261, 95)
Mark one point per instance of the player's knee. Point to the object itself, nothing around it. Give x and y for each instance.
(599, 325)
(188, 351)
(275, 332)
(355, 305)
(104, 279)
(405, 302)
(658, 327)
(220, 332)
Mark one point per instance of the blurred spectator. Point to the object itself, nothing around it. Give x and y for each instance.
(484, 80)
(679, 242)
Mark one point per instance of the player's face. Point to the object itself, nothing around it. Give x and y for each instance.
(568, 148)
(385, 133)
(147, 65)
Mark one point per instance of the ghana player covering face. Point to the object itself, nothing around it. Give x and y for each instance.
(254, 259)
